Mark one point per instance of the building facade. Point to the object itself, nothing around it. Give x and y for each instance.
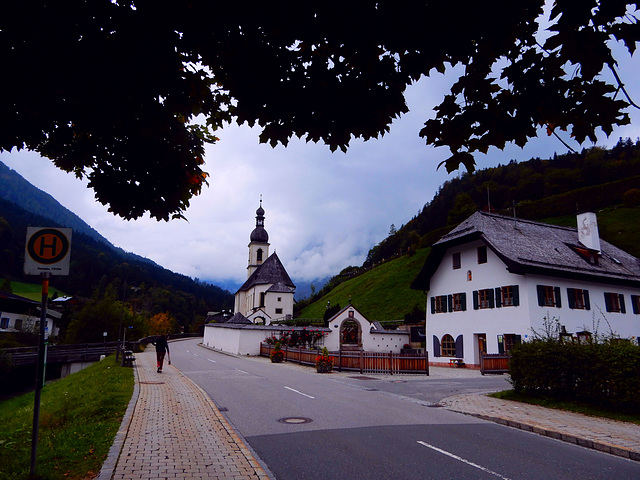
(267, 295)
(495, 281)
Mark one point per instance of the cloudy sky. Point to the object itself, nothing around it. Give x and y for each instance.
(324, 210)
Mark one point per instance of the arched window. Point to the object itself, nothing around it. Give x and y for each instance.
(448, 346)
(259, 254)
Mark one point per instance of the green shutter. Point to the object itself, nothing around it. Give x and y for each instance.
(516, 295)
(571, 297)
(498, 297)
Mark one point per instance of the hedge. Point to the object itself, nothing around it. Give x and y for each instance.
(604, 374)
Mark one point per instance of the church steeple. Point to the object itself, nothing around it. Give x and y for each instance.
(258, 243)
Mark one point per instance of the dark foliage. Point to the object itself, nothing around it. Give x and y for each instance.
(604, 374)
(114, 90)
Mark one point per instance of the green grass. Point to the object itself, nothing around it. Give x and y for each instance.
(79, 418)
(380, 294)
(33, 291)
(569, 405)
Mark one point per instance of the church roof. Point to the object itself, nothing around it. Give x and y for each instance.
(270, 272)
(532, 247)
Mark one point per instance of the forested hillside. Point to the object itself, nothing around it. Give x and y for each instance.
(592, 179)
(102, 277)
(553, 191)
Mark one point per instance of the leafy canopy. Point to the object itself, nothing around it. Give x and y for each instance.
(128, 92)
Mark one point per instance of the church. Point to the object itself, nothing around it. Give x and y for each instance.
(267, 295)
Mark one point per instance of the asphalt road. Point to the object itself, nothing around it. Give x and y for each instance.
(305, 425)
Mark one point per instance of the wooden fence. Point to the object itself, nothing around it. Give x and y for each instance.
(494, 363)
(355, 360)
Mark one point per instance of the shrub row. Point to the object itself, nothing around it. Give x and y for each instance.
(603, 374)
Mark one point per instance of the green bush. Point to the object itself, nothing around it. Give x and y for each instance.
(604, 374)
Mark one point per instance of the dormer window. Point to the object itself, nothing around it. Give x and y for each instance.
(590, 256)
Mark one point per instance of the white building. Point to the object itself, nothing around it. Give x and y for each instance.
(19, 314)
(267, 295)
(493, 280)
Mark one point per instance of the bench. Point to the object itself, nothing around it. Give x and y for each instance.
(128, 358)
(456, 362)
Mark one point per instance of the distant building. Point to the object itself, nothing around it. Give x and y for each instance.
(21, 314)
(267, 295)
(493, 280)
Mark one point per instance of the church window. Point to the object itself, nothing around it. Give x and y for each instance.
(278, 311)
(259, 254)
(262, 297)
(482, 254)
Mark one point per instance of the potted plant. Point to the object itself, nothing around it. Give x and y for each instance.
(324, 362)
(277, 355)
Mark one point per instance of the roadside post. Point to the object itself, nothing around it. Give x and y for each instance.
(47, 252)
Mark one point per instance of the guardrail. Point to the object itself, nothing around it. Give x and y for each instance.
(85, 352)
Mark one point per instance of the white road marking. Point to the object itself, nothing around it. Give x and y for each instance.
(242, 371)
(212, 361)
(304, 394)
(449, 454)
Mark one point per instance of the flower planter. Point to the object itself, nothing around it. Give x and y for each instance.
(324, 367)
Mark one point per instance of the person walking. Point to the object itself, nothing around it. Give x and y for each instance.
(162, 347)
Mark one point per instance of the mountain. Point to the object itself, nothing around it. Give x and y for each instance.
(15, 189)
(552, 191)
(95, 262)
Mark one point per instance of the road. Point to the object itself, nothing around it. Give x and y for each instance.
(305, 425)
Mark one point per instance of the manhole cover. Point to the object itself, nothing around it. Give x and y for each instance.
(152, 383)
(435, 405)
(223, 409)
(295, 420)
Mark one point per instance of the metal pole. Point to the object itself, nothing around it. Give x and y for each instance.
(42, 354)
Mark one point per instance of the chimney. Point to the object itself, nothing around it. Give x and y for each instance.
(588, 231)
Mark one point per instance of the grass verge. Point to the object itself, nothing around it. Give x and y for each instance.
(79, 418)
(569, 405)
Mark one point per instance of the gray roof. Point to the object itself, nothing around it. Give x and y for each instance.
(532, 247)
(238, 318)
(271, 272)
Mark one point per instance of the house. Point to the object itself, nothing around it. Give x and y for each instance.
(267, 295)
(348, 330)
(21, 314)
(494, 280)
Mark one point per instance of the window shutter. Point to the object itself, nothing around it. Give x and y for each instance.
(492, 303)
(622, 307)
(500, 344)
(459, 347)
(475, 300)
(463, 299)
(517, 339)
(635, 304)
(540, 289)
(498, 297)
(607, 301)
(571, 297)
(436, 346)
(516, 295)
(433, 305)
(450, 302)
(556, 294)
(587, 304)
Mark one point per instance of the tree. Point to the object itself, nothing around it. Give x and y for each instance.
(127, 93)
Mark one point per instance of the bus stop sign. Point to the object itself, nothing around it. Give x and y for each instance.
(47, 250)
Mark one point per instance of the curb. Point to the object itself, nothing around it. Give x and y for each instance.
(563, 437)
(109, 465)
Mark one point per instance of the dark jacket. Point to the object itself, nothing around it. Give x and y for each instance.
(161, 344)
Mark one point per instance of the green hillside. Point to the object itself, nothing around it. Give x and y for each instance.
(381, 294)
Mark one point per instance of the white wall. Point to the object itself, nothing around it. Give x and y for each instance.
(518, 320)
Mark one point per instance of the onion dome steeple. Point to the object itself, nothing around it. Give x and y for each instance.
(259, 234)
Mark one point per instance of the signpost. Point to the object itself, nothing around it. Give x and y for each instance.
(47, 252)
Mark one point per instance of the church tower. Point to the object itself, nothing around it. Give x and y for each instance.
(258, 243)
